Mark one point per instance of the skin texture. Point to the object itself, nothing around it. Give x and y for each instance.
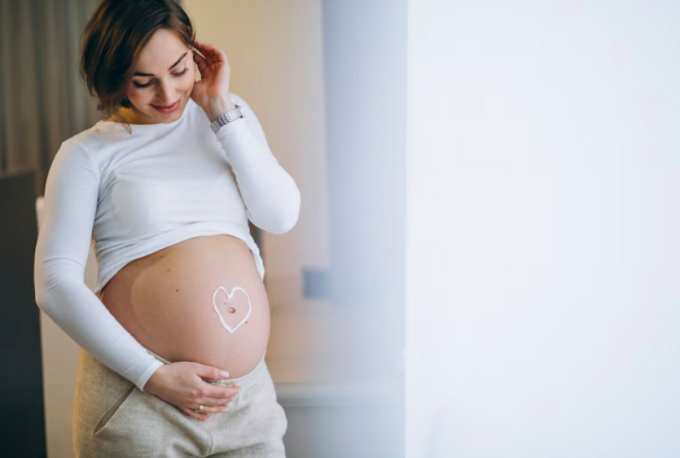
(180, 383)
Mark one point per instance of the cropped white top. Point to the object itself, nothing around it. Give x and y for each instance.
(134, 194)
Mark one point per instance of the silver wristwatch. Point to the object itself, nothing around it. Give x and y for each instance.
(226, 118)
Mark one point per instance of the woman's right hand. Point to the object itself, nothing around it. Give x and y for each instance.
(181, 385)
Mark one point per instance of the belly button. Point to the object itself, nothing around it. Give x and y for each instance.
(230, 309)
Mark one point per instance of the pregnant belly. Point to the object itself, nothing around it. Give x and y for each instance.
(200, 300)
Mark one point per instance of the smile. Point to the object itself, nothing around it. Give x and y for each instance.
(167, 108)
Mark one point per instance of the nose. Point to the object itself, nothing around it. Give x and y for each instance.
(166, 96)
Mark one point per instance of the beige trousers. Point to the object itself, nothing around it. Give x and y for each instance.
(114, 418)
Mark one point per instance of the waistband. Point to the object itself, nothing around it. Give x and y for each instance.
(241, 381)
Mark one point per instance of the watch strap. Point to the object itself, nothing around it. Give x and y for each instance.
(226, 118)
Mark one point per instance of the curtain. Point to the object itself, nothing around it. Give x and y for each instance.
(43, 100)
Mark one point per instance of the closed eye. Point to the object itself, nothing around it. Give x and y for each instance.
(176, 75)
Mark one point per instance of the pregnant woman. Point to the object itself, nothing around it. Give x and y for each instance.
(174, 336)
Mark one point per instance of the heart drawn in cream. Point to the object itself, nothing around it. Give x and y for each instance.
(229, 296)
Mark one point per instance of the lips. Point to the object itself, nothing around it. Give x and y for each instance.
(167, 108)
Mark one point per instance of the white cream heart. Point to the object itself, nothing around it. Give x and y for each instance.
(229, 296)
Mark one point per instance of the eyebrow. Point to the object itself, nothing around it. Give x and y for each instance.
(171, 67)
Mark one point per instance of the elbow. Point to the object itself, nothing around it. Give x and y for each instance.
(48, 291)
(42, 279)
(286, 217)
(43, 297)
(289, 218)
(286, 225)
(56, 283)
(39, 288)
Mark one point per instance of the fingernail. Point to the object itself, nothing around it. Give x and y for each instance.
(224, 373)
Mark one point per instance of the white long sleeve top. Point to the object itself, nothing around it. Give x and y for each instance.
(134, 194)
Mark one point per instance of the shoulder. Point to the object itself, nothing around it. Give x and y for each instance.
(73, 157)
(73, 150)
(85, 137)
(84, 142)
(98, 144)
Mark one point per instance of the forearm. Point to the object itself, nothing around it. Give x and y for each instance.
(269, 192)
(61, 293)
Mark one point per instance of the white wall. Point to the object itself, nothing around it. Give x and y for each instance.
(543, 223)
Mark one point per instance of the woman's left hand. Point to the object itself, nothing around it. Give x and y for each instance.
(212, 92)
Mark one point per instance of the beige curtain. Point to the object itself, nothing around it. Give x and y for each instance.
(43, 100)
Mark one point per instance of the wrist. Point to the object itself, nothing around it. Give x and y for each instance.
(153, 380)
(219, 107)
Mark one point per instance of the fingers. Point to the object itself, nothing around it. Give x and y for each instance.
(207, 51)
(213, 397)
(201, 62)
(190, 413)
(211, 53)
(211, 394)
(211, 409)
(211, 372)
(210, 405)
(205, 54)
(221, 392)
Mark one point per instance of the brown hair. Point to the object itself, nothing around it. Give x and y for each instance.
(113, 39)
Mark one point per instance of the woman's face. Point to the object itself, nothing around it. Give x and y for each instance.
(164, 75)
